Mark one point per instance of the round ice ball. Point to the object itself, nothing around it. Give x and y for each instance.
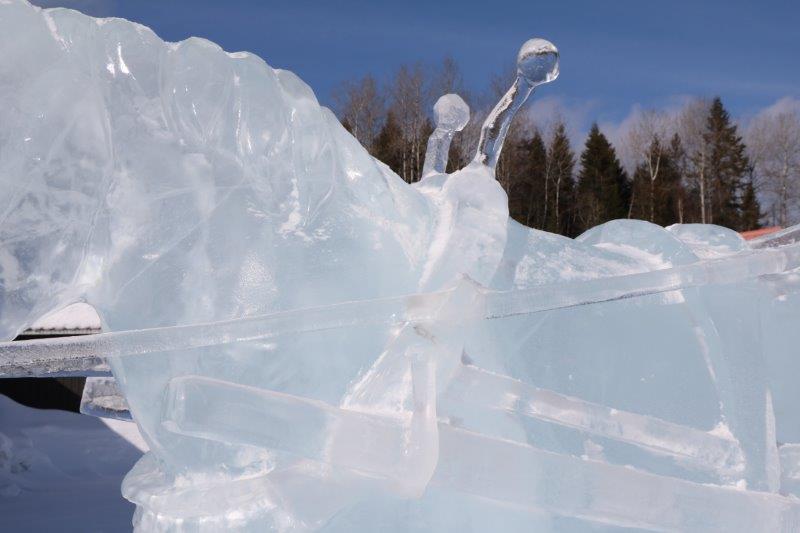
(451, 113)
(537, 61)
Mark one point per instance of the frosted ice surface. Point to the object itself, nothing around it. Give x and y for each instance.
(450, 112)
(101, 397)
(309, 343)
(708, 241)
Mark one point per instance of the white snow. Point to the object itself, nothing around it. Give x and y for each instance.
(62, 471)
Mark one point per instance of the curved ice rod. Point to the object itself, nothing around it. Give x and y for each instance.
(36, 357)
(451, 114)
(537, 63)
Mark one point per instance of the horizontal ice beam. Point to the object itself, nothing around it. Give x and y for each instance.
(732, 269)
(54, 354)
(477, 390)
(50, 367)
(80, 352)
(520, 475)
(784, 237)
(507, 472)
(400, 450)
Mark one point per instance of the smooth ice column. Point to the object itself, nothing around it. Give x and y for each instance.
(537, 63)
(522, 475)
(451, 114)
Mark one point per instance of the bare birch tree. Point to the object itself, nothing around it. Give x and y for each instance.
(774, 147)
(647, 142)
(408, 101)
(361, 108)
(691, 127)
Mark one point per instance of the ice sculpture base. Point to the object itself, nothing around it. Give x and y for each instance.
(502, 476)
(164, 503)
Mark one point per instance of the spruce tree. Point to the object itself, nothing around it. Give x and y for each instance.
(422, 148)
(750, 208)
(526, 182)
(388, 144)
(727, 168)
(659, 201)
(685, 200)
(603, 190)
(640, 184)
(456, 158)
(670, 194)
(559, 196)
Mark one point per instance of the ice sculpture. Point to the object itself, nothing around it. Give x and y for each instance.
(306, 342)
(537, 63)
(450, 114)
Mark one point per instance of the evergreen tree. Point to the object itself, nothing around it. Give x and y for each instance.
(685, 199)
(640, 185)
(526, 179)
(427, 129)
(456, 157)
(603, 190)
(388, 144)
(557, 213)
(659, 201)
(727, 168)
(751, 210)
(671, 195)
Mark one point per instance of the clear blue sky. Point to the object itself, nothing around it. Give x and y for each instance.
(615, 54)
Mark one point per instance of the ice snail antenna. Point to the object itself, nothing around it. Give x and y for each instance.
(451, 114)
(537, 63)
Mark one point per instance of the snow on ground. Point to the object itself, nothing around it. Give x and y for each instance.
(61, 471)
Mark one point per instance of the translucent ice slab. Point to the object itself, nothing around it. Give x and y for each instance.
(84, 352)
(511, 473)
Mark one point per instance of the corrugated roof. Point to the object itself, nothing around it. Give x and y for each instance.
(79, 317)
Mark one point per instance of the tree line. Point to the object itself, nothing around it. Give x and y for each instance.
(692, 166)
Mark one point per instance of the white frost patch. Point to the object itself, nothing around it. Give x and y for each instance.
(122, 66)
(51, 25)
(722, 431)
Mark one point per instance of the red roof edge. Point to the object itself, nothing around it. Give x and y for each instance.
(752, 234)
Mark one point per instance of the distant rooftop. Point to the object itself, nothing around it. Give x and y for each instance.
(73, 319)
(753, 234)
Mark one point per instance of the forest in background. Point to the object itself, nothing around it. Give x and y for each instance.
(696, 165)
